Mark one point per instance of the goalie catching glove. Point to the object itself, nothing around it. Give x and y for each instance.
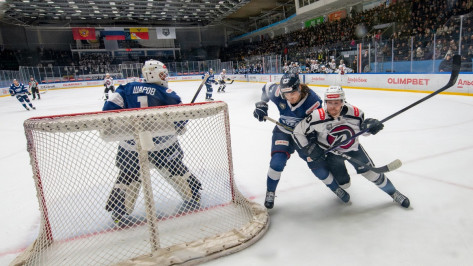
(373, 125)
(261, 110)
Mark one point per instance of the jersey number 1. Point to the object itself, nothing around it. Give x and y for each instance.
(143, 100)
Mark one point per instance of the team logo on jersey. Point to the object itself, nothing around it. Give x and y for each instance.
(340, 134)
(282, 106)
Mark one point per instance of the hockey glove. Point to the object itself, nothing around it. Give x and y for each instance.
(314, 152)
(373, 125)
(180, 127)
(261, 111)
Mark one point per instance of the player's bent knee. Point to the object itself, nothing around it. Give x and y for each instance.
(278, 161)
(321, 173)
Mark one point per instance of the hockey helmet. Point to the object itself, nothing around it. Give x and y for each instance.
(334, 93)
(289, 83)
(155, 72)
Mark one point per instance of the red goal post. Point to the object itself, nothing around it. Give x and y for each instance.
(74, 162)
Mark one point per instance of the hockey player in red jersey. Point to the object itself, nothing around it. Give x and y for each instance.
(334, 123)
(108, 83)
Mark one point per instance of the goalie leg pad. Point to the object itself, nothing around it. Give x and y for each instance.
(187, 185)
(123, 197)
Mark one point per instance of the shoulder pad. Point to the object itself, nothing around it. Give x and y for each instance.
(353, 110)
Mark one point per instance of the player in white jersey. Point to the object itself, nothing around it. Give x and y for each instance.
(335, 123)
(332, 65)
(342, 69)
(108, 83)
(221, 81)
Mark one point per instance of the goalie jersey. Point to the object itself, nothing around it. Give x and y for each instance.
(330, 131)
(140, 95)
(290, 115)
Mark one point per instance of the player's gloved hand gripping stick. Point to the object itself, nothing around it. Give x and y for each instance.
(383, 169)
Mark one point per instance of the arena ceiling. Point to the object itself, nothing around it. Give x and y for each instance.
(178, 13)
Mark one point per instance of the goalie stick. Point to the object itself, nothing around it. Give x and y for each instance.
(453, 79)
(383, 169)
(200, 87)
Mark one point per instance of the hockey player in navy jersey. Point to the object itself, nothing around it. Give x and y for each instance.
(294, 101)
(334, 123)
(21, 93)
(208, 84)
(166, 156)
(108, 84)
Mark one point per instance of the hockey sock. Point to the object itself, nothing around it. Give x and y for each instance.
(272, 184)
(381, 181)
(326, 177)
(276, 166)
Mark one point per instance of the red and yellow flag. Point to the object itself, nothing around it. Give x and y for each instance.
(83, 33)
(139, 33)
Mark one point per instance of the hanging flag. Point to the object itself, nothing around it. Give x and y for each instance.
(139, 33)
(166, 33)
(83, 33)
(114, 33)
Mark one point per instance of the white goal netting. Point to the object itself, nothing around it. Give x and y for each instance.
(135, 186)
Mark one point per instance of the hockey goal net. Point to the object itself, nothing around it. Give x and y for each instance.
(77, 162)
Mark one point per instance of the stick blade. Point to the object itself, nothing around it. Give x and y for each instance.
(388, 168)
(394, 165)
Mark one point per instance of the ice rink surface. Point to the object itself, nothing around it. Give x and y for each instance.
(309, 224)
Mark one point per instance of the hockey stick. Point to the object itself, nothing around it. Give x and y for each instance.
(453, 79)
(383, 169)
(200, 87)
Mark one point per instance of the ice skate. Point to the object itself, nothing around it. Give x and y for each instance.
(401, 199)
(34, 108)
(117, 218)
(189, 206)
(269, 200)
(345, 185)
(342, 194)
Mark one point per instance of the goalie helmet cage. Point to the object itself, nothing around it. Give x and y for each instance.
(74, 161)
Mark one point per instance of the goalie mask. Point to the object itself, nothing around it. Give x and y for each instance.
(155, 72)
(289, 83)
(335, 93)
